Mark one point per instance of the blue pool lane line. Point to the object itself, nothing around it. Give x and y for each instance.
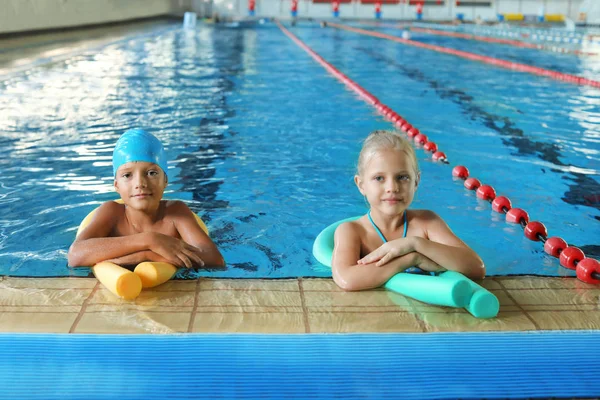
(349, 366)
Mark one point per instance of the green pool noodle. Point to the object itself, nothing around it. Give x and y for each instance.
(426, 288)
(323, 245)
(449, 288)
(483, 303)
(431, 289)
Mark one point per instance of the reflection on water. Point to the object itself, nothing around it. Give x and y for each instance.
(262, 144)
(59, 125)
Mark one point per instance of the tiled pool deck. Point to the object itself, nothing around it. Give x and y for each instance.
(82, 305)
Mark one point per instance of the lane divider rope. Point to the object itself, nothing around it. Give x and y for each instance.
(553, 35)
(476, 57)
(510, 42)
(471, 36)
(587, 269)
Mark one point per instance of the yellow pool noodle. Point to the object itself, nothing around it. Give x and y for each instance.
(154, 273)
(148, 274)
(118, 280)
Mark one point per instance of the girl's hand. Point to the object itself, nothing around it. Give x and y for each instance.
(176, 251)
(388, 251)
(426, 264)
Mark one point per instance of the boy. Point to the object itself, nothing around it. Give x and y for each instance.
(144, 227)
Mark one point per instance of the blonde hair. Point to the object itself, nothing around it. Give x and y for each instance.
(383, 140)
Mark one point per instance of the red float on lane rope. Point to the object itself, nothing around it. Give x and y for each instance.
(460, 172)
(486, 192)
(570, 257)
(554, 246)
(472, 183)
(438, 156)
(420, 138)
(517, 216)
(501, 204)
(534, 229)
(586, 269)
(430, 146)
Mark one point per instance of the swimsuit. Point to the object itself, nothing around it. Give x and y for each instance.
(411, 269)
(381, 234)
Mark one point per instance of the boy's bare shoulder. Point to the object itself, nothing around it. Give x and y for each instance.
(177, 209)
(105, 218)
(112, 212)
(112, 208)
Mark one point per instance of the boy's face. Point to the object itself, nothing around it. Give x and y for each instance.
(389, 181)
(140, 184)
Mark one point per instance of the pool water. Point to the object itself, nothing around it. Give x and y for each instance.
(262, 142)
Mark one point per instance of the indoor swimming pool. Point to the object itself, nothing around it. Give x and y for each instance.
(262, 142)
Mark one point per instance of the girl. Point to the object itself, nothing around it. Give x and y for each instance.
(390, 238)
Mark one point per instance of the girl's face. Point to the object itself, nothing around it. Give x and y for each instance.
(388, 181)
(140, 184)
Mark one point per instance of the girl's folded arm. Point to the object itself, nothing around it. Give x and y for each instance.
(444, 248)
(349, 275)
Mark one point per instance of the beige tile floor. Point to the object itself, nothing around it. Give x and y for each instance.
(82, 305)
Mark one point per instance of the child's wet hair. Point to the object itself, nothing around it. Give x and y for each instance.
(383, 140)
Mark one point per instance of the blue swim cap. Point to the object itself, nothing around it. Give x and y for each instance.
(139, 145)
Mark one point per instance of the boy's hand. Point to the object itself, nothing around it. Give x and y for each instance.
(139, 257)
(176, 251)
(131, 259)
(388, 251)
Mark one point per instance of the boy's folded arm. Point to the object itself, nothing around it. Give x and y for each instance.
(87, 252)
(93, 244)
(192, 234)
(444, 248)
(139, 257)
(351, 276)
